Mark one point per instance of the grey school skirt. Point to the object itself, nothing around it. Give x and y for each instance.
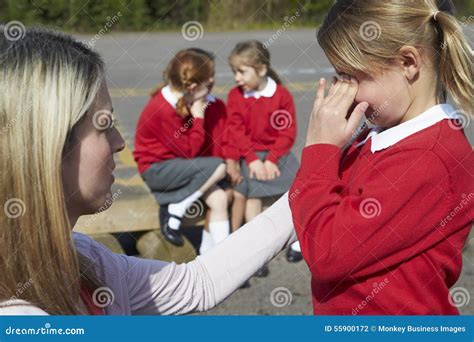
(173, 180)
(253, 188)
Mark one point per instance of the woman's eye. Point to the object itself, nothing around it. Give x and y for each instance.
(104, 120)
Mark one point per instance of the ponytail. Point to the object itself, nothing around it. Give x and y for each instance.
(456, 57)
(273, 74)
(182, 107)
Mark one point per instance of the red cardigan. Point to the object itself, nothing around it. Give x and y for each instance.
(263, 124)
(162, 134)
(374, 228)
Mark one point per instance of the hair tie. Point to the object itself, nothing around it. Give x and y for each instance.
(434, 14)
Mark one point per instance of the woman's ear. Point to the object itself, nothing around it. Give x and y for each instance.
(410, 60)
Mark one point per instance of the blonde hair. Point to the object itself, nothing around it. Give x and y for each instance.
(48, 81)
(366, 35)
(255, 55)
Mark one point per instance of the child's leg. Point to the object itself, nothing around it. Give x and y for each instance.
(253, 208)
(237, 210)
(206, 240)
(219, 226)
(179, 209)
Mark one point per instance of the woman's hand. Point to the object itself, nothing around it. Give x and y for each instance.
(233, 171)
(257, 169)
(329, 123)
(272, 169)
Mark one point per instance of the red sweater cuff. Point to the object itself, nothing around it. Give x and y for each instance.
(320, 159)
(271, 157)
(251, 157)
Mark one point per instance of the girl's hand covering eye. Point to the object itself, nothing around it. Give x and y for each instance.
(330, 121)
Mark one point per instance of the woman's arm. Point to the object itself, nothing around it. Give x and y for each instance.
(157, 287)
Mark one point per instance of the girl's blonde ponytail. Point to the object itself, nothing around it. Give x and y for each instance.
(456, 57)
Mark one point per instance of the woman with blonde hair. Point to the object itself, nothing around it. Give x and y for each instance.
(57, 143)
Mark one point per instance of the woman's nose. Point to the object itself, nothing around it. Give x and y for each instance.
(118, 142)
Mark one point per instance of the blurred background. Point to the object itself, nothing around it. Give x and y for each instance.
(158, 15)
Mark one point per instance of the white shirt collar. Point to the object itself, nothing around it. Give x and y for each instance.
(384, 139)
(268, 91)
(173, 100)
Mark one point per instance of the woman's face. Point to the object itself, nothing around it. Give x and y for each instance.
(88, 161)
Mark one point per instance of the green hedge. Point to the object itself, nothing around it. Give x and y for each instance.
(133, 15)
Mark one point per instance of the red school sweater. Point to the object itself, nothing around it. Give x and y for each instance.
(263, 124)
(382, 233)
(162, 134)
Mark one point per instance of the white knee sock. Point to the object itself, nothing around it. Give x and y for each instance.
(207, 242)
(296, 246)
(219, 230)
(174, 223)
(180, 208)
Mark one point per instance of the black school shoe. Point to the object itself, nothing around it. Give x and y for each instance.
(170, 235)
(293, 256)
(245, 285)
(262, 272)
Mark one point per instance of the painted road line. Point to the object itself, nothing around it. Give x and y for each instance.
(220, 90)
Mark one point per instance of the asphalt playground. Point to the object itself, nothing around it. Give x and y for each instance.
(135, 62)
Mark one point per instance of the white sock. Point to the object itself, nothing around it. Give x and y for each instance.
(219, 230)
(207, 242)
(180, 208)
(174, 223)
(296, 246)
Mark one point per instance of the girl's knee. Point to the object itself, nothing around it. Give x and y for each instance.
(238, 196)
(217, 200)
(220, 171)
